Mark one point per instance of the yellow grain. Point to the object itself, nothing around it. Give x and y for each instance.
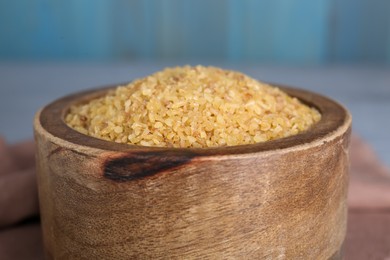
(193, 107)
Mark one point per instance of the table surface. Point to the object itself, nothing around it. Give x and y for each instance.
(364, 90)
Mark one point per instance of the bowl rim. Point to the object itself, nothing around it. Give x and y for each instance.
(333, 117)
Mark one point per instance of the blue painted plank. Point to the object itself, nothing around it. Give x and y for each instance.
(280, 31)
(15, 34)
(193, 29)
(236, 14)
(72, 29)
(284, 31)
(133, 29)
(361, 31)
(388, 39)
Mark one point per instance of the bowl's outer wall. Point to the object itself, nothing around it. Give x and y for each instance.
(278, 204)
(281, 205)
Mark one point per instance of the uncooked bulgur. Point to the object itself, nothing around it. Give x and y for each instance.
(193, 107)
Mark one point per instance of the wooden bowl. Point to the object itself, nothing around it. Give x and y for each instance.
(281, 199)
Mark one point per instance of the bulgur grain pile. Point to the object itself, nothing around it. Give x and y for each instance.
(193, 107)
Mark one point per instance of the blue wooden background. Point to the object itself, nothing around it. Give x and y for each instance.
(273, 31)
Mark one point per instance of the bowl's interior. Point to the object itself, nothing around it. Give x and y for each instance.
(333, 117)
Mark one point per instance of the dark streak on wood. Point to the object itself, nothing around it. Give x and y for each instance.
(83, 154)
(134, 166)
(57, 150)
(60, 149)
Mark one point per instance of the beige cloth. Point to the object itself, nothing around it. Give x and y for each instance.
(368, 235)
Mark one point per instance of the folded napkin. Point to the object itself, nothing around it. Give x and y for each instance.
(368, 234)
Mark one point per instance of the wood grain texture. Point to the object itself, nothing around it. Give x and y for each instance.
(283, 199)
